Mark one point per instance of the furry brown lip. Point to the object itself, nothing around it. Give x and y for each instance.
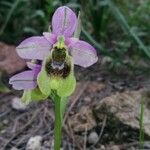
(57, 71)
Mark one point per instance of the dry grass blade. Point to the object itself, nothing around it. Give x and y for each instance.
(23, 128)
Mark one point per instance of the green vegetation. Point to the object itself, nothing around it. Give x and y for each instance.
(119, 30)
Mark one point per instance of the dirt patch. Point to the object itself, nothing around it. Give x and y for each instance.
(96, 84)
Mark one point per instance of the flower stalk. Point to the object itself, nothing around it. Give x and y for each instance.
(57, 124)
(59, 109)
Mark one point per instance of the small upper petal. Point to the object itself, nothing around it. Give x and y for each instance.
(64, 21)
(83, 53)
(34, 48)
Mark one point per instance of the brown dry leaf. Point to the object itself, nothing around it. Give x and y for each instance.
(125, 107)
(10, 62)
(83, 120)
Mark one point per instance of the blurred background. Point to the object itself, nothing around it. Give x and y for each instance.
(119, 30)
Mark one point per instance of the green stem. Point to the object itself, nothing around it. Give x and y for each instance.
(142, 125)
(58, 124)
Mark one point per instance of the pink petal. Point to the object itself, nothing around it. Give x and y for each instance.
(33, 66)
(24, 80)
(64, 21)
(83, 53)
(52, 38)
(34, 48)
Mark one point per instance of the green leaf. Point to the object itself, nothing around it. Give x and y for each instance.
(26, 98)
(33, 95)
(92, 40)
(124, 25)
(3, 88)
(78, 27)
(11, 11)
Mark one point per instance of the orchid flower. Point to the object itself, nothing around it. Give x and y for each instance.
(58, 51)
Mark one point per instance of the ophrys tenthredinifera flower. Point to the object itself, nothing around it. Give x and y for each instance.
(53, 57)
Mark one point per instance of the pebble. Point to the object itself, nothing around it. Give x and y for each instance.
(87, 99)
(3, 131)
(17, 104)
(47, 144)
(5, 122)
(119, 86)
(147, 145)
(102, 147)
(115, 147)
(14, 148)
(34, 143)
(92, 138)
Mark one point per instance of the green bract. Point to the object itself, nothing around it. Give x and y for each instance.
(33, 95)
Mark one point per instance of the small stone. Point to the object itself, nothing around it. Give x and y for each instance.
(87, 99)
(17, 104)
(100, 79)
(147, 145)
(111, 143)
(43, 148)
(3, 131)
(47, 144)
(34, 143)
(124, 133)
(5, 122)
(92, 138)
(14, 148)
(115, 147)
(113, 110)
(102, 147)
(119, 86)
(106, 135)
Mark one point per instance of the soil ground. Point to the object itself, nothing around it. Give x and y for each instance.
(94, 84)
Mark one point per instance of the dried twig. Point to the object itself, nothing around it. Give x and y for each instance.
(102, 129)
(23, 128)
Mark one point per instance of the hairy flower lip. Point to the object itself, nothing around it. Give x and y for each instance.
(64, 22)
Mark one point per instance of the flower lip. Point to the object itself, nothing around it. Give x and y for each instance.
(61, 69)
